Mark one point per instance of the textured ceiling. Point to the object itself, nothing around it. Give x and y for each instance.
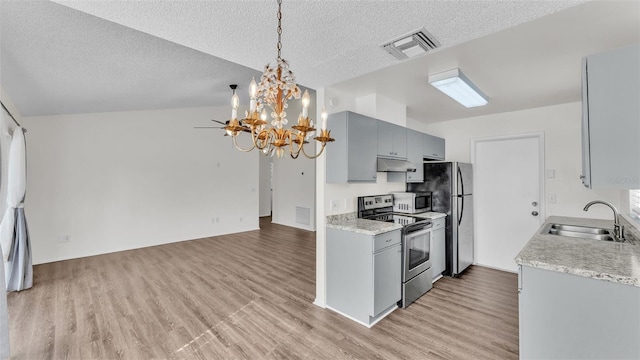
(91, 56)
(534, 64)
(325, 41)
(56, 60)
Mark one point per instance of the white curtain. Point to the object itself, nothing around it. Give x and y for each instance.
(4, 318)
(14, 235)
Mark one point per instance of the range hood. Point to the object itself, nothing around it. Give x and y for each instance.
(395, 165)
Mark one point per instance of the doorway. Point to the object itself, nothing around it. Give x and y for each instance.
(509, 193)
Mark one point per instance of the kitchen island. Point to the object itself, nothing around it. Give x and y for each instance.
(578, 298)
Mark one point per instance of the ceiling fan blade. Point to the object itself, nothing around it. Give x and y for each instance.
(220, 122)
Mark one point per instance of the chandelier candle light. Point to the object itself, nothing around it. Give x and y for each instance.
(277, 85)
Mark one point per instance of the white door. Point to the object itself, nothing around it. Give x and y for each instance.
(508, 186)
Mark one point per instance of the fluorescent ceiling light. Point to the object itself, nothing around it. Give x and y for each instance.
(459, 88)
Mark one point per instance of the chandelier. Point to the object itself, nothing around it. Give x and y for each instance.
(277, 85)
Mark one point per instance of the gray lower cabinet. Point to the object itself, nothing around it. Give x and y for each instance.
(438, 256)
(564, 316)
(392, 140)
(363, 274)
(352, 156)
(611, 119)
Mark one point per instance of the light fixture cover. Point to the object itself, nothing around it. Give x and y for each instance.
(458, 87)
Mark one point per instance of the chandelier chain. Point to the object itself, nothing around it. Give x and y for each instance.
(279, 28)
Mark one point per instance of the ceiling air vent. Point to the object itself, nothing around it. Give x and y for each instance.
(411, 45)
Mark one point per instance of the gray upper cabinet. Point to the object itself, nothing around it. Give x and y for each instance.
(419, 147)
(392, 140)
(611, 119)
(416, 148)
(434, 147)
(352, 157)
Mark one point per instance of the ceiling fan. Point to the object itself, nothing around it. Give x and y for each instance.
(225, 123)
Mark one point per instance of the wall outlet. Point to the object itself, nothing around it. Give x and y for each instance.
(551, 173)
(64, 238)
(551, 198)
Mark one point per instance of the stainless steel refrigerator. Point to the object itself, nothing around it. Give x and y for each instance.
(452, 186)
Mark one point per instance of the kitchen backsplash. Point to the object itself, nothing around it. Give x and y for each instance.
(630, 231)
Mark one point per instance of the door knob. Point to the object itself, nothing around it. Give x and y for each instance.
(535, 203)
(534, 213)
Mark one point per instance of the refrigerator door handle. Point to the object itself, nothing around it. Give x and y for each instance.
(460, 194)
(461, 181)
(461, 210)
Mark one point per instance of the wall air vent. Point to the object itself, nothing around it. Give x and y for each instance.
(411, 45)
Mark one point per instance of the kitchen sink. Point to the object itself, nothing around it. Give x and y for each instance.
(584, 232)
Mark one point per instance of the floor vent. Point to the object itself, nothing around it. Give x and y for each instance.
(303, 215)
(411, 45)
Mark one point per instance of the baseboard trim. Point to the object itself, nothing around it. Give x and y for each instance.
(496, 268)
(80, 256)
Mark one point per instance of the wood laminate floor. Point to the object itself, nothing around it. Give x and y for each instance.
(245, 296)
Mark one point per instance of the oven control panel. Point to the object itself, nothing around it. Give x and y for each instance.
(375, 202)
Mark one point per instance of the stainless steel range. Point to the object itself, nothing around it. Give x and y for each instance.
(416, 244)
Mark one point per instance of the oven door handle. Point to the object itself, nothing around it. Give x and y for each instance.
(414, 229)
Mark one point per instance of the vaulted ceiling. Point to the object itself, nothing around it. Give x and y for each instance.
(96, 56)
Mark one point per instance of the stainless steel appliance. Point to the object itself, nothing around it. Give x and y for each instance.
(416, 244)
(411, 202)
(451, 184)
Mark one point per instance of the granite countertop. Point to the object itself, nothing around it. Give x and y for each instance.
(596, 259)
(349, 222)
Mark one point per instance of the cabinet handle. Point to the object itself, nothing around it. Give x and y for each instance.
(582, 177)
(388, 240)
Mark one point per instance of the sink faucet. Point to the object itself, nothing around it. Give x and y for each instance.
(618, 230)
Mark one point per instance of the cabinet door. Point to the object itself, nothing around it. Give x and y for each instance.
(438, 257)
(361, 158)
(613, 114)
(385, 139)
(434, 147)
(387, 278)
(416, 146)
(400, 141)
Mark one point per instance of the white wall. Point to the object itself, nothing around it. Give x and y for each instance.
(563, 152)
(294, 180)
(265, 185)
(116, 181)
